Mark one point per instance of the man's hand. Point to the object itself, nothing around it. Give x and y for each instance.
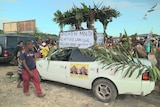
(30, 73)
(26, 67)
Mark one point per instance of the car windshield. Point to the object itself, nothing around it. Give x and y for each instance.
(71, 55)
(61, 55)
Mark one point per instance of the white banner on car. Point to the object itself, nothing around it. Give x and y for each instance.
(81, 39)
(100, 38)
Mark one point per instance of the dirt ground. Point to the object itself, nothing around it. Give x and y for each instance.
(61, 95)
(57, 95)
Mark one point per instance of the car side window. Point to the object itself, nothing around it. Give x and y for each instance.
(11, 42)
(78, 56)
(62, 55)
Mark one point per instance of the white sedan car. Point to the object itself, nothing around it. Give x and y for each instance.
(75, 68)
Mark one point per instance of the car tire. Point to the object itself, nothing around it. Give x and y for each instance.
(104, 90)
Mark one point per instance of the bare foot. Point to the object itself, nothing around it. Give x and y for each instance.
(18, 86)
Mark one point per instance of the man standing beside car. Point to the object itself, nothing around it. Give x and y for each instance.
(18, 49)
(29, 70)
(17, 52)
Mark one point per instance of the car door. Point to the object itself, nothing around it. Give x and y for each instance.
(57, 66)
(56, 71)
(80, 70)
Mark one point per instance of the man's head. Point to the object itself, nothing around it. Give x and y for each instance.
(20, 43)
(29, 45)
(49, 46)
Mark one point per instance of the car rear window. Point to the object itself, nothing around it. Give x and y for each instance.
(12, 41)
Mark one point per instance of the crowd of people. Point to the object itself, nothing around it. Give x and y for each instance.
(143, 46)
(42, 47)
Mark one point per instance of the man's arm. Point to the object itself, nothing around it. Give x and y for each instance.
(26, 67)
(15, 52)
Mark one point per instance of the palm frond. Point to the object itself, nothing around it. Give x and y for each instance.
(121, 60)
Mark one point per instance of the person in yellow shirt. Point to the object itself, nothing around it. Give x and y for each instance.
(45, 50)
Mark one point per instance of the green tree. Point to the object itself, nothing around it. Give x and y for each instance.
(105, 15)
(37, 34)
(75, 16)
(1, 31)
(59, 19)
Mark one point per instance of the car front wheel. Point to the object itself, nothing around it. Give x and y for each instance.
(104, 90)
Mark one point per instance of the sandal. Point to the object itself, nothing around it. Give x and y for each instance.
(42, 95)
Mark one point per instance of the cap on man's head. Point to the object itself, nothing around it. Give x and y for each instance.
(43, 44)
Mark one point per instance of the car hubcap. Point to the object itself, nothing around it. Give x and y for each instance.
(103, 91)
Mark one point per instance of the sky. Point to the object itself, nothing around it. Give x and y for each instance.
(131, 19)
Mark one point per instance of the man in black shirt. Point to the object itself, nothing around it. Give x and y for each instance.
(18, 49)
